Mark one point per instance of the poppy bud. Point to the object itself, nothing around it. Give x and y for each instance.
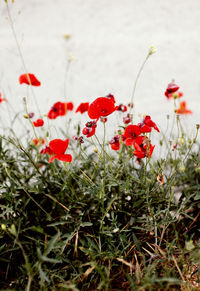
(127, 119)
(182, 168)
(81, 139)
(3, 226)
(31, 115)
(152, 50)
(103, 119)
(95, 150)
(182, 141)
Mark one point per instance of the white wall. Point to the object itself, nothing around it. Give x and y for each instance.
(109, 41)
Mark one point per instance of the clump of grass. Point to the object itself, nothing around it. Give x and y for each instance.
(89, 226)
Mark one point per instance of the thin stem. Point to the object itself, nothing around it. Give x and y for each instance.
(136, 80)
(20, 53)
(27, 265)
(66, 77)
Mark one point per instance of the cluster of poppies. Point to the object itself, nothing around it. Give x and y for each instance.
(173, 93)
(134, 135)
(60, 109)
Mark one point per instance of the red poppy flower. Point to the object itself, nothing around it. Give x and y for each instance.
(29, 79)
(90, 128)
(88, 131)
(38, 123)
(115, 143)
(59, 147)
(102, 106)
(183, 108)
(83, 107)
(132, 135)
(143, 150)
(69, 106)
(36, 141)
(127, 119)
(171, 88)
(58, 109)
(2, 99)
(121, 107)
(52, 114)
(147, 124)
(144, 128)
(115, 146)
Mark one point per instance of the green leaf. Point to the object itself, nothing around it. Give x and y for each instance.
(51, 244)
(43, 275)
(37, 228)
(50, 260)
(84, 224)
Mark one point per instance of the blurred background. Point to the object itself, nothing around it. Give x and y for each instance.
(108, 40)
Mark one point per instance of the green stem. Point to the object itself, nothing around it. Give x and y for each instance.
(27, 266)
(20, 53)
(136, 81)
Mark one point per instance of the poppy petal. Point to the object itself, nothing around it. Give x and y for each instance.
(29, 79)
(102, 106)
(129, 142)
(83, 107)
(38, 123)
(61, 157)
(115, 146)
(59, 146)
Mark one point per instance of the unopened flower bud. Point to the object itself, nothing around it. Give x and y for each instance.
(25, 116)
(103, 119)
(81, 140)
(197, 170)
(95, 150)
(152, 50)
(31, 115)
(175, 95)
(131, 105)
(3, 226)
(127, 119)
(70, 58)
(182, 141)
(182, 168)
(67, 36)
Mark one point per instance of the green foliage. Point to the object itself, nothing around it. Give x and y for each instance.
(100, 223)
